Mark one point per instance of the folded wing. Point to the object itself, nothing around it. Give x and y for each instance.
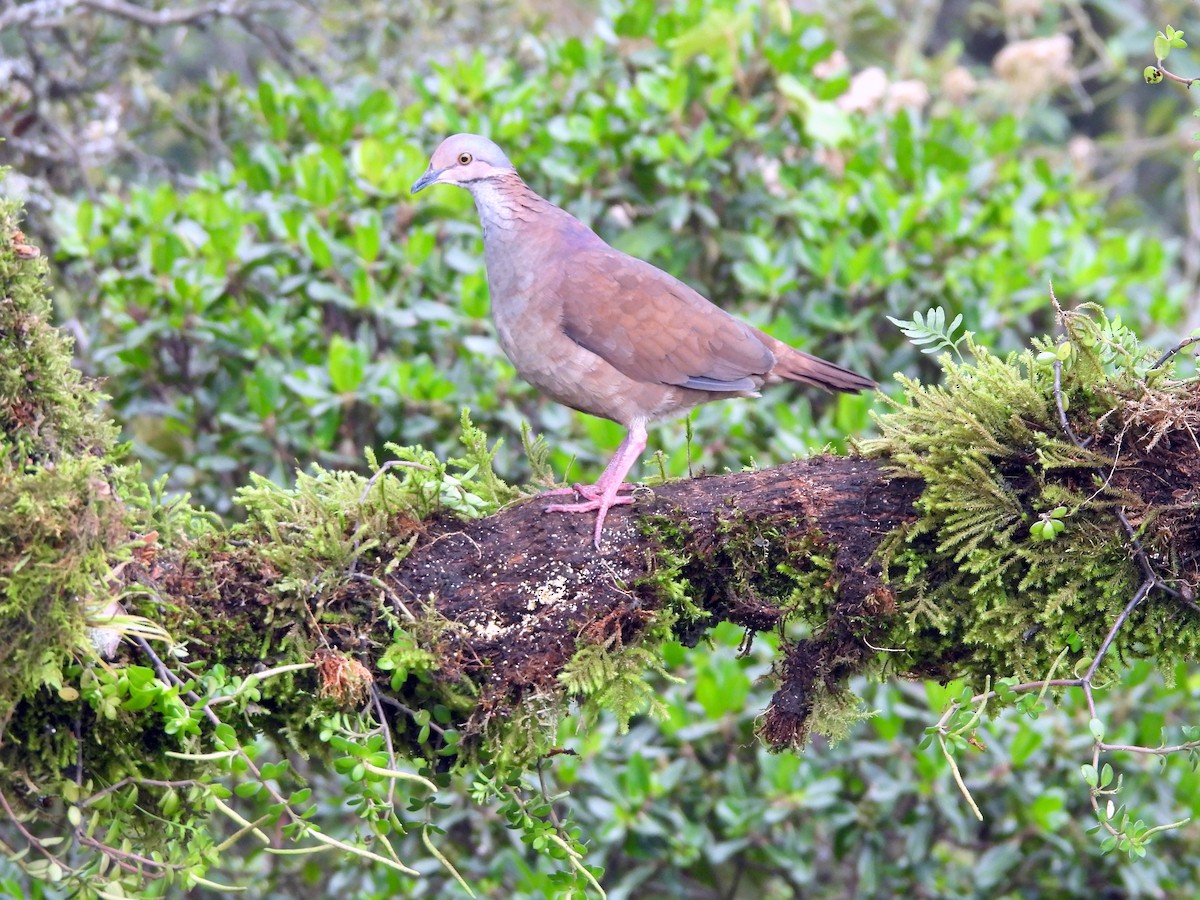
(654, 328)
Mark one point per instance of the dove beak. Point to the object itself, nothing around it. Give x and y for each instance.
(430, 177)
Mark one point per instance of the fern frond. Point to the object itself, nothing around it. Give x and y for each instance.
(931, 328)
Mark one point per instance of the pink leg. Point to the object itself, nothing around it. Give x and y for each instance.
(595, 491)
(603, 495)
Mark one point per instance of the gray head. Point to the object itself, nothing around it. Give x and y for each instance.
(463, 158)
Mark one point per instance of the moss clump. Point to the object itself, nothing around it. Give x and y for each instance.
(331, 522)
(980, 588)
(613, 675)
(514, 741)
(62, 523)
(753, 574)
(782, 565)
(47, 409)
(667, 581)
(762, 575)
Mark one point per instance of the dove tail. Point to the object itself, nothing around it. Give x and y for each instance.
(796, 365)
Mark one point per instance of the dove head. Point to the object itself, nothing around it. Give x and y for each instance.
(463, 159)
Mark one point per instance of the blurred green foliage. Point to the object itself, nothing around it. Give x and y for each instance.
(294, 305)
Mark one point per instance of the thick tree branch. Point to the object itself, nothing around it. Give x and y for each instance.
(507, 601)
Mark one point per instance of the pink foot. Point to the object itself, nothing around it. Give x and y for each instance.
(587, 491)
(587, 505)
(600, 505)
(605, 493)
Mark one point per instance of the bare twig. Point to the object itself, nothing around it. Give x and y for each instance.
(1186, 342)
(387, 739)
(32, 839)
(391, 595)
(165, 18)
(1146, 586)
(409, 711)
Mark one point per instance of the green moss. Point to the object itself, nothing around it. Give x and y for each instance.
(319, 529)
(526, 733)
(835, 711)
(782, 564)
(613, 676)
(769, 566)
(979, 593)
(47, 409)
(57, 535)
(667, 561)
(761, 574)
(62, 523)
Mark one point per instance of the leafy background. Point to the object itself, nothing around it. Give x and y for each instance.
(239, 258)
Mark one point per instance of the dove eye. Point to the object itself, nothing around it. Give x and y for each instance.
(464, 159)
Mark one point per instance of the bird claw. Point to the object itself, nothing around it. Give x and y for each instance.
(601, 505)
(590, 505)
(606, 492)
(587, 491)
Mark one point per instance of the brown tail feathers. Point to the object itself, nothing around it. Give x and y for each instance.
(796, 365)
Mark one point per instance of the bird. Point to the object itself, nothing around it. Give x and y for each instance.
(603, 332)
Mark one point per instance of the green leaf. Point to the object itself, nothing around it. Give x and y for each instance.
(825, 122)
(368, 227)
(268, 104)
(225, 737)
(85, 219)
(317, 242)
(370, 159)
(717, 34)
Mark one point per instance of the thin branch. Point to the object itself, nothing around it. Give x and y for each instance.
(36, 14)
(162, 18)
(130, 862)
(541, 773)
(1153, 751)
(391, 595)
(33, 841)
(1186, 82)
(1140, 595)
(133, 779)
(1062, 410)
(1186, 342)
(387, 738)
(410, 712)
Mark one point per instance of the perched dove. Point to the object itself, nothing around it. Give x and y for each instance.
(601, 331)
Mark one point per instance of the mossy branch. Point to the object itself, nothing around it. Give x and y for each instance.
(1002, 526)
